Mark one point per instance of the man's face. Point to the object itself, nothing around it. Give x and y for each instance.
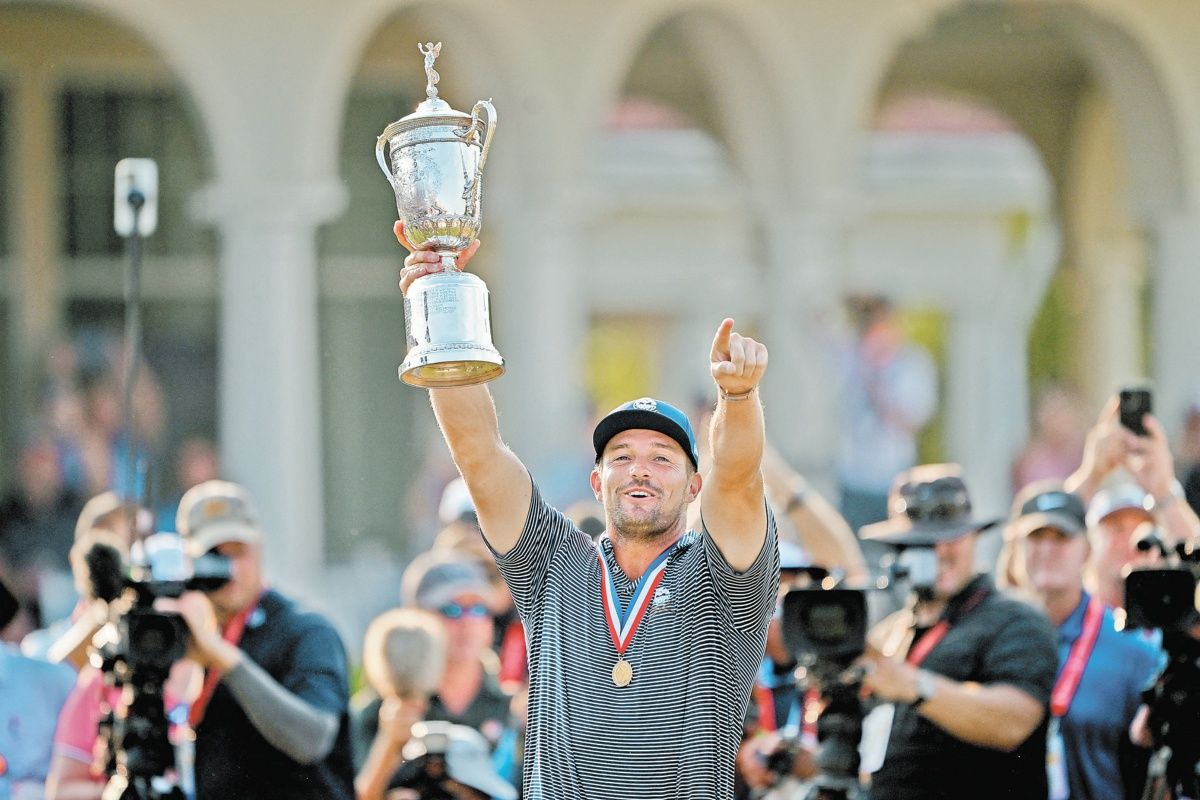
(468, 624)
(1054, 561)
(1115, 541)
(955, 565)
(645, 481)
(245, 561)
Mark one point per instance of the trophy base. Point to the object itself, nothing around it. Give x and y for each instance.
(444, 374)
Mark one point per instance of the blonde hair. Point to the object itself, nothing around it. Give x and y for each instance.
(404, 653)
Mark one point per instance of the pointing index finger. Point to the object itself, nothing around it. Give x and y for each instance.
(720, 345)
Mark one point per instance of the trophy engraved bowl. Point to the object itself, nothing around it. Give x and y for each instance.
(434, 160)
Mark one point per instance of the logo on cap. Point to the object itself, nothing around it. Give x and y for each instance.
(216, 507)
(646, 404)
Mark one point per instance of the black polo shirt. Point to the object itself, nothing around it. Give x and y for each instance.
(303, 652)
(997, 639)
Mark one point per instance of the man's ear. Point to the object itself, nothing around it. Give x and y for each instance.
(694, 486)
(595, 481)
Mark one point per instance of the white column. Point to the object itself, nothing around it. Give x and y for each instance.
(985, 403)
(1113, 270)
(802, 391)
(1175, 357)
(36, 281)
(539, 319)
(270, 423)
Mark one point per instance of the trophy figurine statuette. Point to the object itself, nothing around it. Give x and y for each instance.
(434, 160)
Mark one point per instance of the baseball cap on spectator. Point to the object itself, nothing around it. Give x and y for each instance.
(646, 413)
(434, 579)
(792, 556)
(216, 512)
(1046, 504)
(1118, 498)
(98, 512)
(456, 504)
(466, 754)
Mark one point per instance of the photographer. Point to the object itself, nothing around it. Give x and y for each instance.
(271, 719)
(968, 670)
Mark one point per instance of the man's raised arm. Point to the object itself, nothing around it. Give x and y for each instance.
(500, 486)
(732, 502)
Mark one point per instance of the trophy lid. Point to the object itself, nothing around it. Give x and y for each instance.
(433, 110)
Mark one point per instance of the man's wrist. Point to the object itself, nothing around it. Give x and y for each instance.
(925, 686)
(1172, 494)
(224, 656)
(737, 395)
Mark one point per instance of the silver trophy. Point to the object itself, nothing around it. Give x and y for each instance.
(434, 160)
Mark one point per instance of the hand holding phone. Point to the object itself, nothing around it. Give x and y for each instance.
(1135, 403)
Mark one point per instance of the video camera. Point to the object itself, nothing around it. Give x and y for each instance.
(136, 653)
(1167, 598)
(825, 630)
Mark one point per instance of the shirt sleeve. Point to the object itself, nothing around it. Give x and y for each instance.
(749, 595)
(526, 565)
(1023, 654)
(319, 674)
(79, 720)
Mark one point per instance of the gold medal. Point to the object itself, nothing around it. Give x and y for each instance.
(622, 673)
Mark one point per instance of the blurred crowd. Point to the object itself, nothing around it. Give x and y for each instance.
(439, 710)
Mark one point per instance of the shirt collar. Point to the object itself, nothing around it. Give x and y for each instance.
(1071, 628)
(954, 607)
(606, 547)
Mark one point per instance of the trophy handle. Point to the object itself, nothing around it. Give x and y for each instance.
(380, 144)
(483, 115)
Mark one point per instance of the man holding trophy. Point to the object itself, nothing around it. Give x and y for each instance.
(642, 646)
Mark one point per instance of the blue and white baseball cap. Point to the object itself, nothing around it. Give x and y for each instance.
(646, 413)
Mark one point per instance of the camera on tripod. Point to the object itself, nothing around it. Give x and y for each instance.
(137, 651)
(1167, 598)
(825, 629)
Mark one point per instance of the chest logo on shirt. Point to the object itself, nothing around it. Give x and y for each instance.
(661, 600)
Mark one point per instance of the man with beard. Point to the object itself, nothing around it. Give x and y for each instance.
(643, 645)
(968, 670)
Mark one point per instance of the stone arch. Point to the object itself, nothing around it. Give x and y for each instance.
(766, 138)
(1118, 43)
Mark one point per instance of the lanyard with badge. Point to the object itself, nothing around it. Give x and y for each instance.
(1065, 688)
(877, 726)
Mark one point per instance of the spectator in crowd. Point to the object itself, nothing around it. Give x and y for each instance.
(76, 771)
(968, 670)
(456, 589)
(1114, 518)
(404, 655)
(195, 462)
(1101, 672)
(271, 720)
(31, 693)
(890, 392)
(36, 522)
(1055, 444)
(605, 682)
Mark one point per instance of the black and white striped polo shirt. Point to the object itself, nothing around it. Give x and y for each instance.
(675, 730)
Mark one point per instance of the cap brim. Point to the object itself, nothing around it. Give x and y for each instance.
(433, 599)
(218, 533)
(637, 419)
(1028, 523)
(905, 532)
